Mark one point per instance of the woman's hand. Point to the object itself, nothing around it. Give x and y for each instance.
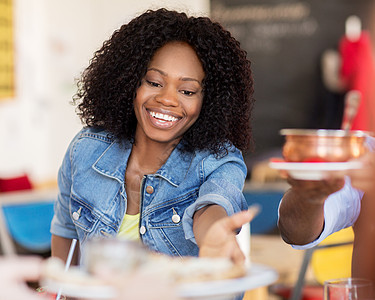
(220, 239)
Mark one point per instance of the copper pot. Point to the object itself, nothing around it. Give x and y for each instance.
(323, 145)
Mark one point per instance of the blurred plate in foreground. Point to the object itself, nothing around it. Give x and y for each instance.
(256, 276)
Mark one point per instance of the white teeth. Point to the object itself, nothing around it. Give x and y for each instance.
(164, 117)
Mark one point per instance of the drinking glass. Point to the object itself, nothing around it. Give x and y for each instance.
(348, 289)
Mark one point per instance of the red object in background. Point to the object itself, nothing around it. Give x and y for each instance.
(315, 160)
(358, 73)
(276, 159)
(307, 160)
(42, 291)
(12, 184)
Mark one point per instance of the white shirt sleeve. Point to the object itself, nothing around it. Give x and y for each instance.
(341, 210)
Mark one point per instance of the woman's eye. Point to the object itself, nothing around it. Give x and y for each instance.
(152, 83)
(188, 93)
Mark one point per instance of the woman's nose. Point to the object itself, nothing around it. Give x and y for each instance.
(167, 96)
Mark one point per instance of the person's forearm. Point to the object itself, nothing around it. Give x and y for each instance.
(60, 248)
(301, 219)
(204, 218)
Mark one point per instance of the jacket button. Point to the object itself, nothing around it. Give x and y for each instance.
(77, 214)
(142, 230)
(176, 218)
(149, 189)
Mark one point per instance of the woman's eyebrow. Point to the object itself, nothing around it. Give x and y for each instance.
(182, 78)
(157, 70)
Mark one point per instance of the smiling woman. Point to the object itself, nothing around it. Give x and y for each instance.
(169, 100)
(166, 105)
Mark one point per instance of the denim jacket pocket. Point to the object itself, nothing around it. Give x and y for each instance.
(83, 217)
(165, 224)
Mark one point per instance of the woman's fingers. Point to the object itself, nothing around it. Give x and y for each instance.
(236, 221)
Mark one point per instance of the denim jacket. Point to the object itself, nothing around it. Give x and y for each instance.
(92, 198)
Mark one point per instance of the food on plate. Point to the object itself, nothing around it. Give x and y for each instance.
(178, 270)
(54, 270)
(193, 269)
(125, 256)
(174, 269)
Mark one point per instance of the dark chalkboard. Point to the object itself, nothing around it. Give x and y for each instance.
(284, 40)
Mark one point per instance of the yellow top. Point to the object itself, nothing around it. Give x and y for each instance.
(129, 227)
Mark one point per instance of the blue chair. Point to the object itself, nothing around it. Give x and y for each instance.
(29, 224)
(266, 221)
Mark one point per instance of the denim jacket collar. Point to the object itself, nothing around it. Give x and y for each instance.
(112, 163)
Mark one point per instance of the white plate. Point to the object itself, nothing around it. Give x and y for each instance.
(315, 171)
(257, 276)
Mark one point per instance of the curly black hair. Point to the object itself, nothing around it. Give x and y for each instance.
(108, 86)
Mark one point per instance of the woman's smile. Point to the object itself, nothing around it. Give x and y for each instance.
(162, 120)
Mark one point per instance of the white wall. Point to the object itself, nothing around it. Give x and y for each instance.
(54, 41)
